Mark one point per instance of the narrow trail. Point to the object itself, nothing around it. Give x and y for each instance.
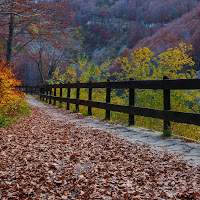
(190, 151)
(55, 154)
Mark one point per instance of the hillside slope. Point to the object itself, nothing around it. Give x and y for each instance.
(110, 26)
(184, 29)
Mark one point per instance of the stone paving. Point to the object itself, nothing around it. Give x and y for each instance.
(189, 151)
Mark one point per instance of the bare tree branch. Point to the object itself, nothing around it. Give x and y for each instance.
(34, 59)
(3, 37)
(22, 29)
(22, 47)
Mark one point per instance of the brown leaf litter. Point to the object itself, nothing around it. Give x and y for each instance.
(45, 159)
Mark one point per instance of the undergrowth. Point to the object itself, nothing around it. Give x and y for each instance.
(142, 64)
(12, 101)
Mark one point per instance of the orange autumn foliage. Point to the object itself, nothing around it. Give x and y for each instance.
(8, 94)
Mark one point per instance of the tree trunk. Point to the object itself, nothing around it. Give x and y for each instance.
(49, 74)
(41, 66)
(42, 76)
(10, 37)
(50, 71)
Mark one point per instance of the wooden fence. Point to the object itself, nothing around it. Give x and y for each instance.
(166, 85)
(29, 89)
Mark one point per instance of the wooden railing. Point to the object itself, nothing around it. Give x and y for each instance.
(166, 85)
(29, 89)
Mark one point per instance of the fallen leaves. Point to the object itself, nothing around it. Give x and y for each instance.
(41, 158)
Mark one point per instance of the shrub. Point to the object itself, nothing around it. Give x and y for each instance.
(12, 101)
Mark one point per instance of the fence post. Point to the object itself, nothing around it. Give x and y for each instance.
(31, 90)
(90, 98)
(40, 89)
(50, 95)
(166, 97)
(68, 96)
(131, 103)
(60, 101)
(77, 97)
(47, 91)
(54, 94)
(43, 91)
(108, 92)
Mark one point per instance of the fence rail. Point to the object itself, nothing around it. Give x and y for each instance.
(29, 89)
(166, 85)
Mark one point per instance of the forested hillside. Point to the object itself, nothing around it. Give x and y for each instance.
(107, 27)
(51, 33)
(184, 29)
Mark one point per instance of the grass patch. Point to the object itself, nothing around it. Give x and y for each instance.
(60, 105)
(11, 114)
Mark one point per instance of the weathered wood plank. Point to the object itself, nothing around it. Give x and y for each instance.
(166, 102)
(139, 84)
(147, 84)
(90, 99)
(189, 118)
(131, 103)
(184, 84)
(108, 93)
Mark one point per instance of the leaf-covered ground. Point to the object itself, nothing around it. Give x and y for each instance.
(45, 159)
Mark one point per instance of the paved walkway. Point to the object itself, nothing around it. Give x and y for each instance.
(189, 151)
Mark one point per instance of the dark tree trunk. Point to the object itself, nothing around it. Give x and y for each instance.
(50, 71)
(10, 37)
(41, 66)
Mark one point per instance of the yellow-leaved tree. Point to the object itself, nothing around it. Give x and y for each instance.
(143, 64)
(12, 101)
